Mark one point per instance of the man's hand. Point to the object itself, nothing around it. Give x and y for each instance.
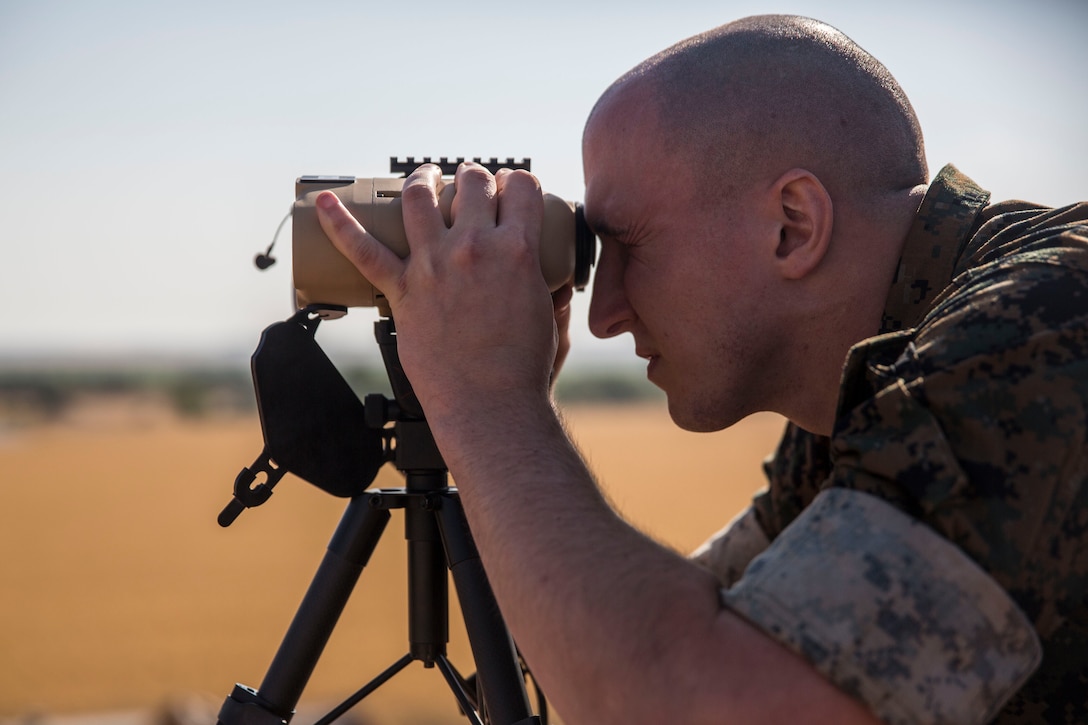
(474, 319)
(561, 306)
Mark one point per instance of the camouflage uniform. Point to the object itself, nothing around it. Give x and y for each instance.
(931, 557)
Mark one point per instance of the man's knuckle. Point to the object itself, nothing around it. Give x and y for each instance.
(417, 193)
(344, 226)
(364, 253)
(468, 252)
(521, 176)
(474, 171)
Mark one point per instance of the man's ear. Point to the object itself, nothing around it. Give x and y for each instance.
(806, 220)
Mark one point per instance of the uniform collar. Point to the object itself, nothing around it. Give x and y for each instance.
(940, 230)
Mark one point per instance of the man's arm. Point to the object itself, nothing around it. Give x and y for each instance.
(616, 627)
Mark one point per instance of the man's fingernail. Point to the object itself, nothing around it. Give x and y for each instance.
(326, 200)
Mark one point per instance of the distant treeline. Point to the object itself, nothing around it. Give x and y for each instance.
(47, 393)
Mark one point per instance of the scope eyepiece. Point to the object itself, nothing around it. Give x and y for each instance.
(585, 248)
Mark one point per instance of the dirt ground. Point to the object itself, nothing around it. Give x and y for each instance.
(119, 592)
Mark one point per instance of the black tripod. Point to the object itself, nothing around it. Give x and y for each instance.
(315, 426)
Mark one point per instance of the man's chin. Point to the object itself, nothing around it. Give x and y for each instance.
(697, 419)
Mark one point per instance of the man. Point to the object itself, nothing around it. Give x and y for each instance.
(760, 194)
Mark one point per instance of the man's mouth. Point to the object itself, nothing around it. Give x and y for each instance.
(651, 360)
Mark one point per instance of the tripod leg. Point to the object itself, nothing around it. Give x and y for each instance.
(457, 686)
(348, 552)
(370, 687)
(497, 663)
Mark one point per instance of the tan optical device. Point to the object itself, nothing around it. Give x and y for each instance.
(323, 275)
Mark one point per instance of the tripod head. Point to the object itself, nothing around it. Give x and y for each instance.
(316, 427)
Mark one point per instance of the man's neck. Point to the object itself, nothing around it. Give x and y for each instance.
(846, 306)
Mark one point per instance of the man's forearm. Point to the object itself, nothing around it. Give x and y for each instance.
(589, 598)
(612, 623)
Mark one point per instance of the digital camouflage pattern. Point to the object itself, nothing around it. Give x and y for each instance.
(899, 600)
(969, 414)
(728, 553)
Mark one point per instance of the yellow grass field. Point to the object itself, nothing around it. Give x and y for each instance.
(118, 590)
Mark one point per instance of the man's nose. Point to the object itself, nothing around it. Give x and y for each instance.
(610, 312)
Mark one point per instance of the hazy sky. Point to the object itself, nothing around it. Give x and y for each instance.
(149, 150)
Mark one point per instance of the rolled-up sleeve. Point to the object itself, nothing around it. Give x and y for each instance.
(727, 554)
(889, 611)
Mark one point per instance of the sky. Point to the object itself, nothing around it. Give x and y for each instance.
(149, 150)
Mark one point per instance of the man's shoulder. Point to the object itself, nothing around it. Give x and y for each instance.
(1018, 232)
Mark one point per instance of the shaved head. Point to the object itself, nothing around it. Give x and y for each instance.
(753, 98)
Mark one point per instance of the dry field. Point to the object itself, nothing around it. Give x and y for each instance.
(119, 592)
